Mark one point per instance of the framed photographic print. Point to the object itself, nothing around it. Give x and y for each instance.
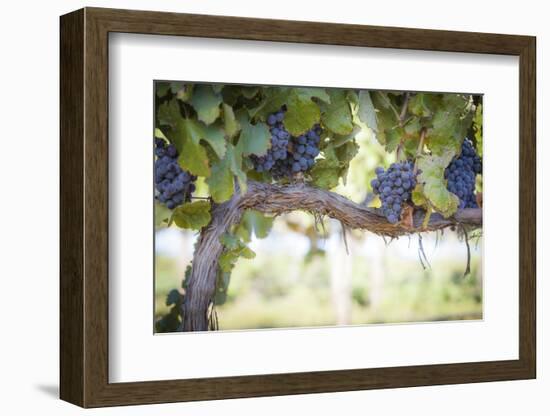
(256, 207)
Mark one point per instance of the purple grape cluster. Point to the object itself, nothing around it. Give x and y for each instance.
(280, 138)
(461, 175)
(288, 155)
(306, 149)
(394, 187)
(173, 184)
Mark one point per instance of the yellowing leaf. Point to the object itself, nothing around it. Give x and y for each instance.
(302, 113)
(434, 184)
(231, 124)
(375, 202)
(194, 159)
(193, 215)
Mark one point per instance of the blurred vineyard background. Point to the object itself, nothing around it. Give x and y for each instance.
(310, 274)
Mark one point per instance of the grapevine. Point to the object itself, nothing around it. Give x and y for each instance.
(277, 149)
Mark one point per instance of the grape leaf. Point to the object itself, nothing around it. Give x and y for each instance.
(418, 198)
(254, 222)
(220, 183)
(186, 135)
(345, 154)
(387, 121)
(393, 138)
(232, 126)
(213, 135)
(434, 186)
(207, 103)
(162, 214)
(194, 159)
(337, 116)
(182, 90)
(478, 129)
(169, 113)
(273, 100)
(222, 284)
(450, 124)
(302, 113)
(326, 172)
(319, 93)
(366, 111)
(418, 105)
(234, 248)
(217, 88)
(160, 135)
(193, 215)
(339, 140)
(249, 92)
(162, 88)
(375, 202)
(173, 297)
(234, 155)
(192, 156)
(255, 139)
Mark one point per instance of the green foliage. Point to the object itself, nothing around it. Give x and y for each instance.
(193, 215)
(254, 222)
(478, 129)
(234, 248)
(302, 113)
(218, 128)
(336, 115)
(206, 103)
(366, 111)
(171, 321)
(254, 138)
(221, 182)
(162, 215)
(434, 187)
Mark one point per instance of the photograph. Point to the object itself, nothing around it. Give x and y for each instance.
(258, 206)
(302, 206)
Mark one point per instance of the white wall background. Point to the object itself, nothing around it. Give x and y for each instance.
(29, 210)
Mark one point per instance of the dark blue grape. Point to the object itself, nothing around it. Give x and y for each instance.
(392, 218)
(288, 155)
(394, 187)
(173, 185)
(461, 175)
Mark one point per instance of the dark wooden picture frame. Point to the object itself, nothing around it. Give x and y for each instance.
(84, 207)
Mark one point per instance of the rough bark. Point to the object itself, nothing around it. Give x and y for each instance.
(280, 199)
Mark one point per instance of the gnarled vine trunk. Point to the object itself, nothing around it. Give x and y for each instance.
(279, 199)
